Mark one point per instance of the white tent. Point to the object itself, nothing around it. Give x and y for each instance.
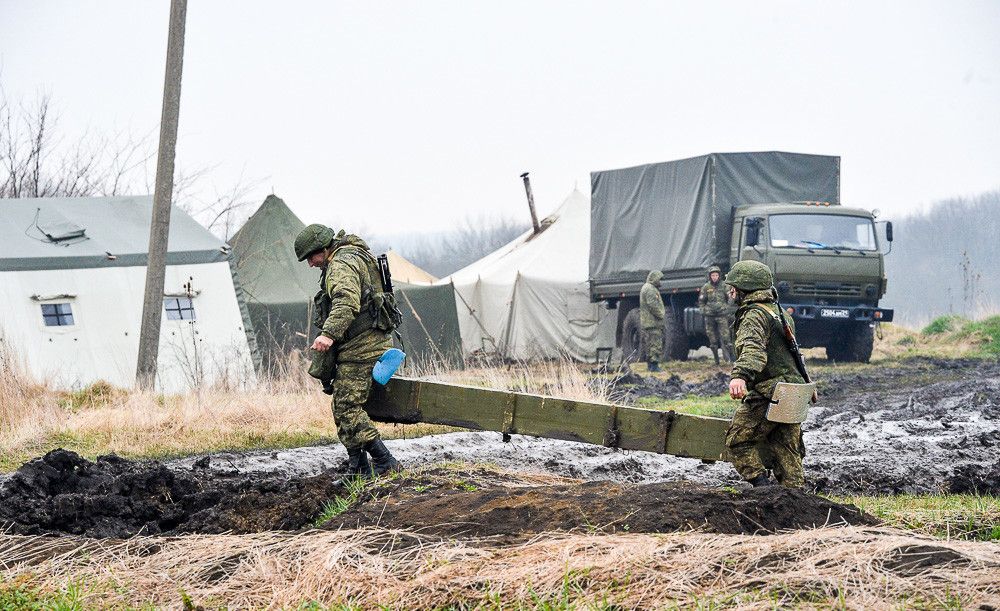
(72, 277)
(531, 298)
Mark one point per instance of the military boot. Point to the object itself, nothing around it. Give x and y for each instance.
(762, 480)
(715, 355)
(382, 460)
(357, 462)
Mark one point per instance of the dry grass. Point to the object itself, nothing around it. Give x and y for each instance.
(556, 378)
(100, 419)
(844, 567)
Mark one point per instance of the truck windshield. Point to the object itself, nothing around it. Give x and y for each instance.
(821, 231)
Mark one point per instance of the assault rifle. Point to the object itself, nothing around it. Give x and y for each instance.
(384, 274)
(793, 347)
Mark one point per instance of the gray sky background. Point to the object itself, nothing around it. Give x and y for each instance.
(399, 116)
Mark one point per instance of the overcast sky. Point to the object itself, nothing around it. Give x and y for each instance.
(411, 116)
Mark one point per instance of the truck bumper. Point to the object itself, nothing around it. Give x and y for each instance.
(834, 314)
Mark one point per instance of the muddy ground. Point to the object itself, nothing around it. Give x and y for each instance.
(62, 493)
(920, 426)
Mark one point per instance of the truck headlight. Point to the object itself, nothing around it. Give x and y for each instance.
(870, 290)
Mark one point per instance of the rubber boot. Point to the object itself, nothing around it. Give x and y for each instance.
(715, 355)
(357, 462)
(382, 460)
(653, 366)
(762, 480)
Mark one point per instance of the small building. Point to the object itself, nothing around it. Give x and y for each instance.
(72, 278)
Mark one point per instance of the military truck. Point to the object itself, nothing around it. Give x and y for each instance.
(783, 209)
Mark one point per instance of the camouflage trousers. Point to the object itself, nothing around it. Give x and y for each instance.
(653, 338)
(351, 387)
(718, 330)
(755, 444)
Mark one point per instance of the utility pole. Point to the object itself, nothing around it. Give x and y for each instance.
(531, 202)
(152, 305)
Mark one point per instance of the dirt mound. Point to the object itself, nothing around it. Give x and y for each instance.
(454, 505)
(112, 497)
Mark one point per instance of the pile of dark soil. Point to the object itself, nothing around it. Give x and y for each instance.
(112, 497)
(454, 505)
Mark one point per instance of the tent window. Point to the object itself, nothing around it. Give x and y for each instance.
(57, 314)
(179, 308)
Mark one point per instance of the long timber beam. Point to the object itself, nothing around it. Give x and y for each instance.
(408, 401)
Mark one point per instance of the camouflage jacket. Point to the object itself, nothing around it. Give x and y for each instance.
(348, 281)
(651, 308)
(713, 300)
(762, 355)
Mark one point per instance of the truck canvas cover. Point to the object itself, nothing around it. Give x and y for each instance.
(676, 216)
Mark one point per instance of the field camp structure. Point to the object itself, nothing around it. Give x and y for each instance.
(279, 292)
(72, 276)
(531, 298)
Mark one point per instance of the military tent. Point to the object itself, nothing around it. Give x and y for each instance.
(530, 298)
(72, 278)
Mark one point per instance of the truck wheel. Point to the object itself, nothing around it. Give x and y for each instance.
(675, 339)
(855, 346)
(632, 348)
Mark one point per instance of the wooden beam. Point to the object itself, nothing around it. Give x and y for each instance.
(408, 401)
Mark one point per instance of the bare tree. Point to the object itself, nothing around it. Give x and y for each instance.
(35, 161)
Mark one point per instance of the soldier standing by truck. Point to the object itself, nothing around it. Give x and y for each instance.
(353, 335)
(715, 307)
(763, 359)
(652, 313)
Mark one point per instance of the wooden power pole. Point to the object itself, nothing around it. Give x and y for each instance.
(152, 305)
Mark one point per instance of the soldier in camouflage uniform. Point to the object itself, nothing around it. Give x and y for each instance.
(715, 307)
(652, 313)
(349, 342)
(763, 359)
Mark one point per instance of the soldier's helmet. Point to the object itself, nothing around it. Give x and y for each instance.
(313, 238)
(715, 269)
(750, 276)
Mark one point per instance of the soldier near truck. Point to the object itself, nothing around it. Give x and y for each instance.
(353, 334)
(716, 308)
(763, 359)
(652, 313)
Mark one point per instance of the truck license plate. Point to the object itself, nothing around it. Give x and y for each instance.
(834, 313)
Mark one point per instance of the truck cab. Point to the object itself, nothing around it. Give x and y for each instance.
(828, 266)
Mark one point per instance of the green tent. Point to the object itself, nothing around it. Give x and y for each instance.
(278, 288)
(279, 291)
(430, 329)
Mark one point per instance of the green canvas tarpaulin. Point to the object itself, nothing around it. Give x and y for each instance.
(278, 288)
(430, 328)
(279, 291)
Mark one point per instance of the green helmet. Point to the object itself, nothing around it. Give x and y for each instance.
(750, 276)
(715, 269)
(313, 238)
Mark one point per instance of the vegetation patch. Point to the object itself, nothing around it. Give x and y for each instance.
(947, 516)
